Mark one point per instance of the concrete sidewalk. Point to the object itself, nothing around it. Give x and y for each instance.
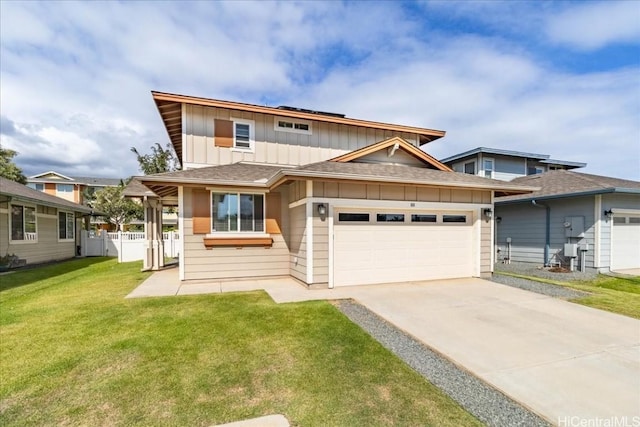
(559, 359)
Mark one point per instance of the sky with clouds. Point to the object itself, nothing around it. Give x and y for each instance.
(559, 78)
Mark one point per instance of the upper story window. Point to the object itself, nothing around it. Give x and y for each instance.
(237, 212)
(488, 167)
(36, 186)
(535, 170)
(23, 223)
(286, 124)
(66, 225)
(470, 168)
(64, 188)
(243, 134)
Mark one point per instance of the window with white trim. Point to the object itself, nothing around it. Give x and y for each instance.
(23, 223)
(488, 167)
(286, 124)
(243, 134)
(36, 186)
(66, 224)
(237, 212)
(64, 188)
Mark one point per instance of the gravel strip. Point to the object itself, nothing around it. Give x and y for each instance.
(483, 401)
(538, 287)
(536, 270)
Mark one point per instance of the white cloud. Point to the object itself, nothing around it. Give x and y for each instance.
(76, 77)
(592, 25)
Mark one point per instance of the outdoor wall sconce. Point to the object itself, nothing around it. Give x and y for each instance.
(322, 210)
(488, 213)
(499, 219)
(608, 213)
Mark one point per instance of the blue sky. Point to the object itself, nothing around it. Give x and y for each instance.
(558, 78)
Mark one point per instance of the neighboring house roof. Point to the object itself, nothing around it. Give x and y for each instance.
(544, 158)
(392, 144)
(269, 176)
(89, 181)
(15, 190)
(562, 183)
(170, 108)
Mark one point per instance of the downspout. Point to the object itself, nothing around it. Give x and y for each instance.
(547, 243)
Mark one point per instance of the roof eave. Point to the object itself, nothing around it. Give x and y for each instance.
(373, 178)
(573, 194)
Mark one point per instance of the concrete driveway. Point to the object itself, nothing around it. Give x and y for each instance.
(564, 361)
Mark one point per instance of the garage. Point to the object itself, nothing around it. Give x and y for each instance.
(625, 242)
(384, 247)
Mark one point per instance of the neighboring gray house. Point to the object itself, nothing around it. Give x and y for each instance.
(38, 227)
(505, 165)
(571, 208)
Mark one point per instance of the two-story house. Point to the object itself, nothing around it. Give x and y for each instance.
(73, 189)
(505, 165)
(318, 196)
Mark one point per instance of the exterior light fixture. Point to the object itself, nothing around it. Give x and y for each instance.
(488, 213)
(322, 210)
(499, 219)
(608, 213)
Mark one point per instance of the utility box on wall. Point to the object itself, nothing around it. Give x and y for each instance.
(570, 250)
(574, 226)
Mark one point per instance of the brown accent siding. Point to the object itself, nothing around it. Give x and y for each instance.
(273, 202)
(50, 188)
(201, 208)
(238, 242)
(223, 133)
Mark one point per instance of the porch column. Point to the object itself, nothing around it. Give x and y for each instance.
(158, 243)
(149, 232)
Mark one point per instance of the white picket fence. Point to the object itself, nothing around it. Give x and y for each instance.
(127, 246)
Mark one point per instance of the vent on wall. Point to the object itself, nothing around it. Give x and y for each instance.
(304, 110)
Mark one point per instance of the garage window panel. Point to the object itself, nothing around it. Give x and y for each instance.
(389, 217)
(454, 218)
(618, 220)
(353, 217)
(424, 218)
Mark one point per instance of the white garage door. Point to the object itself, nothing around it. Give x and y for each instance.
(625, 242)
(374, 251)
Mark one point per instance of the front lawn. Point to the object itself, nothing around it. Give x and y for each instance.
(616, 294)
(75, 352)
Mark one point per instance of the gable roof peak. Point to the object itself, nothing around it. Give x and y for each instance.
(392, 144)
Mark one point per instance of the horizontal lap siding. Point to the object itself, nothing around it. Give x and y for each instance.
(526, 225)
(327, 140)
(320, 248)
(485, 247)
(46, 249)
(229, 262)
(298, 243)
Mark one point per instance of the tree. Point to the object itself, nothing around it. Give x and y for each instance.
(160, 160)
(8, 169)
(118, 210)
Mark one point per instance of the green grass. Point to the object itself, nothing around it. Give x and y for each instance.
(616, 294)
(75, 352)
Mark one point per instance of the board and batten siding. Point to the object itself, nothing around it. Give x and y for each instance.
(398, 192)
(327, 140)
(46, 249)
(229, 262)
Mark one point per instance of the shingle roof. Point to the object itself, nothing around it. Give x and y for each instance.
(406, 174)
(98, 182)
(251, 174)
(135, 188)
(16, 190)
(562, 183)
